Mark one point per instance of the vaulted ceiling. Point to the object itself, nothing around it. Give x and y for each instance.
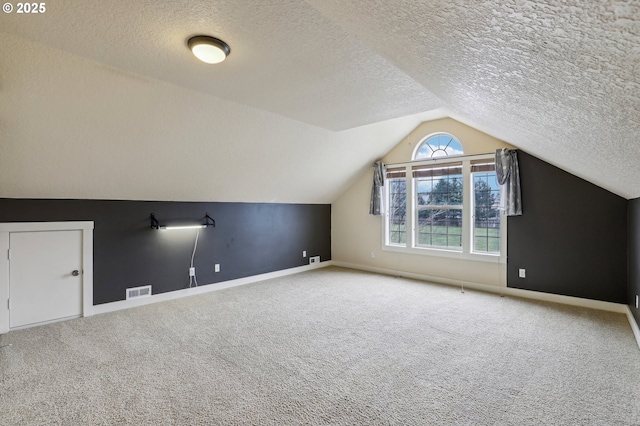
(102, 99)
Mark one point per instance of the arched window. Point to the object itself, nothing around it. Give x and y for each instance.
(438, 145)
(443, 202)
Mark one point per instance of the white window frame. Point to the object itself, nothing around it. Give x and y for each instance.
(428, 137)
(467, 252)
(386, 241)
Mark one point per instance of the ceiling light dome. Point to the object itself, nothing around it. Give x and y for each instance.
(209, 49)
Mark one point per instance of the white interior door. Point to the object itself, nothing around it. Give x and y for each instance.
(45, 276)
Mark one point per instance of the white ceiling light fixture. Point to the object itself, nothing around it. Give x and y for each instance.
(209, 49)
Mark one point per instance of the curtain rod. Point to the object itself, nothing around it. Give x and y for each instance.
(436, 159)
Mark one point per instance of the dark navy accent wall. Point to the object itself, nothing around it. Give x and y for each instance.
(249, 239)
(571, 238)
(634, 257)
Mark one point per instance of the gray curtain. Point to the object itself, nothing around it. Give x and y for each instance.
(375, 206)
(508, 175)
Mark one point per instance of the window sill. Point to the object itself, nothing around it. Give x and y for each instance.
(451, 254)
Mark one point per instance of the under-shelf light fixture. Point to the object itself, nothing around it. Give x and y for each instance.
(154, 224)
(169, 228)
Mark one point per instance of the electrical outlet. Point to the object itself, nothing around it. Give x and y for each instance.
(522, 273)
(216, 268)
(373, 254)
(636, 301)
(192, 272)
(304, 253)
(314, 259)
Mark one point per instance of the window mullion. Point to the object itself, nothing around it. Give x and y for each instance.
(386, 229)
(411, 205)
(467, 207)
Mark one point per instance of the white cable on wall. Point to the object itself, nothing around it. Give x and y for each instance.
(192, 279)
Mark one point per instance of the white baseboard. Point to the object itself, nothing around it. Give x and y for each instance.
(162, 297)
(634, 325)
(38, 324)
(507, 291)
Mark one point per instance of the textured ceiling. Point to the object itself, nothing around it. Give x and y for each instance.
(286, 57)
(559, 79)
(101, 99)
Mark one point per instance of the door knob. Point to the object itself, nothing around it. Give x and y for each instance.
(75, 273)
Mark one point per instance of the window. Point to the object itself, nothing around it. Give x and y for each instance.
(438, 204)
(486, 202)
(438, 145)
(444, 206)
(397, 202)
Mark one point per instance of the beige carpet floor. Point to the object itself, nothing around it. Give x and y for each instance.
(330, 346)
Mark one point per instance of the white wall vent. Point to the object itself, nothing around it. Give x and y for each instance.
(135, 292)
